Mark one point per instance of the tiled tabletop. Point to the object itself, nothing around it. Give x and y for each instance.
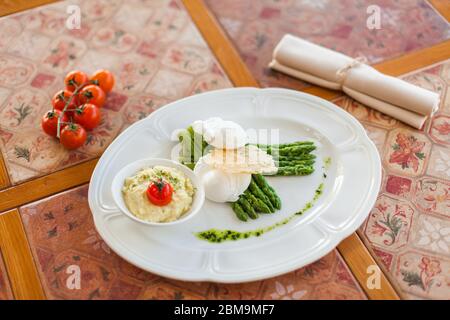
(166, 62)
(158, 55)
(409, 227)
(152, 47)
(257, 26)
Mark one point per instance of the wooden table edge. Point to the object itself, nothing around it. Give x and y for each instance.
(20, 266)
(41, 187)
(4, 176)
(361, 262)
(442, 7)
(21, 5)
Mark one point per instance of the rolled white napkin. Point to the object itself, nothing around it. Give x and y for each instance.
(327, 68)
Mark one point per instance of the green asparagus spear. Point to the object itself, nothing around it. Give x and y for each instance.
(257, 203)
(257, 192)
(308, 156)
(293, 163)
(192, 147)
(295, 171)
(240, 213)
(190, 165)
(264, 186)
(278, 205)
(295, 150)
(197, 144)
(284, 145)
(185, 140)
(247, 207)
(288, 149)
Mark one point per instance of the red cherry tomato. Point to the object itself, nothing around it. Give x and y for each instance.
(104, 79)
(92, 94)
(88, 115)
(60, 99)
(49, 122)
(159, 193)
(75, 79)
(73, 136)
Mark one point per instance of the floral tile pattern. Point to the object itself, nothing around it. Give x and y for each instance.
(408, 229)
(389, 223)
(152, 47)
(62, 235)
(406, 152)
(256, 26)
(423, 275)
(5, 290)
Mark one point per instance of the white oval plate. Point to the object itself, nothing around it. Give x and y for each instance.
(351, 187)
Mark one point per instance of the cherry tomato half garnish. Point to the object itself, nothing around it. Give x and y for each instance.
(159, 193)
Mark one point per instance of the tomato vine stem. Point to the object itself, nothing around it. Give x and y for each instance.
(74, 93)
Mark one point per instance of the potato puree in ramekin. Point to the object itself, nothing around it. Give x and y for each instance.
(134, 193)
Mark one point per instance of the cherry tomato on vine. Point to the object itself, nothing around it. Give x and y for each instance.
(87, 115)
(75, 79)
(92, 94)
(49, 122)
(73, 136)
(60, 99)
(104, 79)
(159, 193)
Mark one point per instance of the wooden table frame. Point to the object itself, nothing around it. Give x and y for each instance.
(14, 246)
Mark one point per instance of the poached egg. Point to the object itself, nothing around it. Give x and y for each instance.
(221, 134)
(226, 170)
(221, 186)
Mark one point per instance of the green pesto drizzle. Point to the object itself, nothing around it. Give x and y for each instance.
(327, 162)
(217, 235)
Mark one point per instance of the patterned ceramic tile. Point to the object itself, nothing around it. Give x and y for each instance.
(440, 129)
(407, 152)
(423, 275)
(409, 227)
(367, 115)
(384, 257)
(432, 234)
(433, 195)
(378, 136)
(256, 27)
(152, 47)
(327, 278)
(389, 223)
(398, 186)
(61, 234)
(5, 289)
(14, 71)
(440, 162)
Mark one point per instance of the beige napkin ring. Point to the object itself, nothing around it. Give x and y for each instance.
(342, 72)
